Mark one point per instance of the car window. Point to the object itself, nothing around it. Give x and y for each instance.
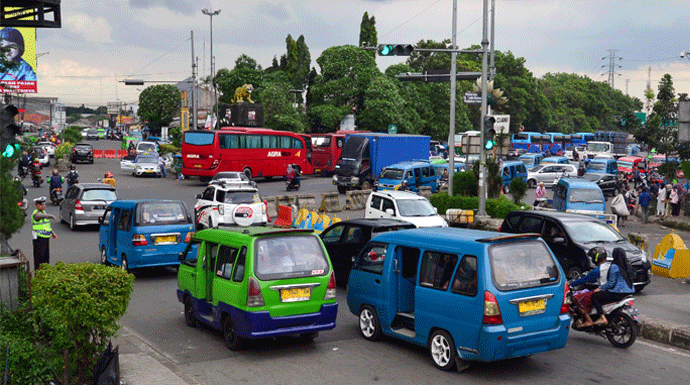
(125, 223)
(72, 192)
(437, 269)
(226, 261)
(289, 257)
(588, 195)
(238, 198)
(388, 204)
(415, 208)
(147, 159)
(592, 231)
(519, 265)
(530, 224)
(354, 235)
(380, 230)
(392, 173)
(465, 278)
(99, 194)
(375, 202)
(371, 258)
(208, 194)
(161, 213)
(238, 276)
(333, 234)
(552, 230)
(106, 217)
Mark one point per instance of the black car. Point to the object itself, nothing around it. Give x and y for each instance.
(345, 239)
(570, 236)
(608, 183)
(82, 152)
(92, 135)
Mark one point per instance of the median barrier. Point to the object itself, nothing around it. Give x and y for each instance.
(284, 218)
(271, 206)
(98, 153)
(425, 191)
(285, 200)
(122, 153)
(356, 199)
(671, 258)
(110, 154)
(306, 201)
(322, 222)
(330, 202)
(300, 217)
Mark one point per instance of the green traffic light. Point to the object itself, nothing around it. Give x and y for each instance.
(386, 50)
(490, 144)
(10, 150)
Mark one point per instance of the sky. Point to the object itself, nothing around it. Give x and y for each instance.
(86, 60)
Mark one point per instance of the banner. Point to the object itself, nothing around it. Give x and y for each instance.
(22, 43)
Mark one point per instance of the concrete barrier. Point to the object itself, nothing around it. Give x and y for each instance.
(285, 200)
(425, 191)
(271, 206)
(459, 216)
(356, 199)
(306, 201)
(330, 202)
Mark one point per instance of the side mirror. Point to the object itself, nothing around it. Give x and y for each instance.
(436, 210)
(180, 256)
(390, 212)
(198, 196)
(559, 240)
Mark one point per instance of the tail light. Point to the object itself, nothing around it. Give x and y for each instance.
(264, 208)
(19, 204)
(330, 290)
(139, 240)
(189, 236)
(254, 296)
(500, 229)
(564, 306)
(221, 210)
(215, 163)
(78, 206)
(58, 189)
(492, 313)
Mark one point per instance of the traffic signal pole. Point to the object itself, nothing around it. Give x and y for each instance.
(481, 211)
(453, 84)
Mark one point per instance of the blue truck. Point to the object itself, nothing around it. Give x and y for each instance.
(364, 155)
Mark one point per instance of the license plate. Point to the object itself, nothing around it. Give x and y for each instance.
(197, 165)
(166, 239)
(99, 207)
(531, 306)
(295, 294)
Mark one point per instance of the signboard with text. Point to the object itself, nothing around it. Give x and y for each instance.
(502, 124)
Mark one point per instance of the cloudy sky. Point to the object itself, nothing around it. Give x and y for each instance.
(103, 42)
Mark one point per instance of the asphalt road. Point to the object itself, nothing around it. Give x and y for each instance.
(342, 355)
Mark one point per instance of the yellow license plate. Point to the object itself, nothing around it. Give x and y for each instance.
(166, 239)
(295, 294)
(530, 306)
(197, 165)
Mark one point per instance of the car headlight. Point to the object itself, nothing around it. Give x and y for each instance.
(643, 256)
(355, 179)
(335, 178)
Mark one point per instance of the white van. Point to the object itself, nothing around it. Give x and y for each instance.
(147, 148)
(403, 205)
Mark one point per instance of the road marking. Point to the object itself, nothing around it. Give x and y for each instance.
(665, 348)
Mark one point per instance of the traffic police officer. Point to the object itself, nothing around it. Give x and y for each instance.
(41, 232)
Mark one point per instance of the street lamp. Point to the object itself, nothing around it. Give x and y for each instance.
(213, 73)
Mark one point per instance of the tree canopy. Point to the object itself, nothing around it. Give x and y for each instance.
(158, 105)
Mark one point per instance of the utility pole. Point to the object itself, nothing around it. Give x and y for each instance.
(481, 211)
(194, 88)
(453, 83)
(212, 13)
(612, 65)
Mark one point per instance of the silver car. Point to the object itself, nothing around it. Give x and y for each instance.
(146, 165)
(548, 173)
(84, 203)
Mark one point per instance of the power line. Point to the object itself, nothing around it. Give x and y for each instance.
(160, 57)
(410, 19)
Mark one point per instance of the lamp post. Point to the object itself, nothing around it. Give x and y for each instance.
(213, 73)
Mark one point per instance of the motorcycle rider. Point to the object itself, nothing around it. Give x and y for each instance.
(55, 183)
(292, 176)
(23, 164)
(109, 178)
(618, 285)
(597, 275)
(72, 176)
(34, 169)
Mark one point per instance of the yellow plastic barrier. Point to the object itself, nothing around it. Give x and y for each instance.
(300, 217)
(335, 219)
(671, 258)
(456, 216)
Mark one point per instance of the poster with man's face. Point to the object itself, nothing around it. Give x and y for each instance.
(20, 49)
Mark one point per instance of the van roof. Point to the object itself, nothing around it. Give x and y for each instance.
(579, 182)
(446, 238)
(221, 233)
(410, 163)
(394, 194)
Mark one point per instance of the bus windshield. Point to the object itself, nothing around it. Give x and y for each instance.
(198, 138)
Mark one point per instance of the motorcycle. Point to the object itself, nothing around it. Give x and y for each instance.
(56, 196)
(622, 327)
(36, 177)
(23, 171)
(632, 202)
(292, 181)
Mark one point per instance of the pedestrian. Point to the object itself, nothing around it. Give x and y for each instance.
(644, 199)
(161, 163)
(669, 208)
(661, 201)
(539, 194)
(41, 232)
(620, 208)
(674, 198)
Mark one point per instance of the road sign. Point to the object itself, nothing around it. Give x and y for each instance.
(502, 124)
(392, 129)
(471, 97)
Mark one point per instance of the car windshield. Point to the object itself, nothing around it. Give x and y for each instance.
(392, 173)
(146, 147)
(592, 177)
(415, 208)
(82, 147)
(524, 264)
(587, 195)
(591, 231)
(596, 166)
(99, 195)
(537, 168)
(289, 257)
(147, 159)
(230, 175)
(244, 197)
(161, 213)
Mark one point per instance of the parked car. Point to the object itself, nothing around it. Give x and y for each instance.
(81, 152)
(92, 134)
(344, 240)
(403, 205)
(466, 295)
(549, 173)
(570, 236)
(608, 183)
(258, 282)
(49, 147)
(146, 165)
(84, 203)
(144, 233)
(230, 204)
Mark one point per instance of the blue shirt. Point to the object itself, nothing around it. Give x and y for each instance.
(616, 282)
(645, 197)
(22, 72)
(592, 276)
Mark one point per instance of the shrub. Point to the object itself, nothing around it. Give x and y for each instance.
(168, 148)
(62, 149)
(87, 301)
(72, 134)
(518, 189)
(496, 208)
(465, 183)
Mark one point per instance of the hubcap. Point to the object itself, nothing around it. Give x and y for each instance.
(440, 350)
(366, 323)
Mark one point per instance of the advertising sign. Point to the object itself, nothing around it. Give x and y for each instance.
(22, 51)
(502, 124)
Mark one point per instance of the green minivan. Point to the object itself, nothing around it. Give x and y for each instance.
(258, 282)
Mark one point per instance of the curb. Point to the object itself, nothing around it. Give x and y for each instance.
(658, 330)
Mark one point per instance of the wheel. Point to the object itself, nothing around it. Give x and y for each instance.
(232, 341)
(366, 185)
(124, 265)
(442, 350)
(91, 161)
(189, 312)
(204, 179)
(573, 272)
(308, 337)
(342, 189)
(247, 172)
(531, 183)
(621, 330)
(104, 257)
(369, 324)
(210, 223)
(71, 222)
(506, 189)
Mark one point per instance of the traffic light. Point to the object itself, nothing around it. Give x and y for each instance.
(395, 49)
(8, 130)
(489, 132)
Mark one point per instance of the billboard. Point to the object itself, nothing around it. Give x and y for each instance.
(22, 44)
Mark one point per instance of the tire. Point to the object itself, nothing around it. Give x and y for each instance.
(308, 337)
(442, 350)
(210, 223)
(506, 189)
(72, 226)
(247, 172)
(531, 183)
(124, 265)
(621, 330)
(369, 324)
(366, 185)
(204, 179)
(342, 189)
(189, 317)
(232, 341)
(104, 257)
(573, 272)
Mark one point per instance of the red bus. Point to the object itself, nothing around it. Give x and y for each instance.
(257, 152)
(327, 148)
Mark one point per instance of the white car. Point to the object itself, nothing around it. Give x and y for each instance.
(403, 205)
(549, 173)
(230, 204)
(41, 154)
(127, 163)
(147, 148)
(146, 165)
(49, 147)
(231, 177)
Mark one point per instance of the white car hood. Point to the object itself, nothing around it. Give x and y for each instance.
(431, 221)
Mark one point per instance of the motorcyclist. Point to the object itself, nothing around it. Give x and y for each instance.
(35, 168)
(109, 178)
(55, 182)
(292, 176)
(23, 164)
(597, 275)
(618, 285)
(72, 176)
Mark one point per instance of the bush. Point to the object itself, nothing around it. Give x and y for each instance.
(496, 208)
(465, 183)
(86, 300)
(518, 189)
(11, 214)
(72, 134)
(62, 149)
(168, 148)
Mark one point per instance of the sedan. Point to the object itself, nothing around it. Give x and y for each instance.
(548, 173)
(84, 203)
(608, 183)
(92, 135)
(127, 163)
(345, 239)
(146, 165)
(82, 152)
(48, 146)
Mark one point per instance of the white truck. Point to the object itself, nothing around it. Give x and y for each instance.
(604, 148)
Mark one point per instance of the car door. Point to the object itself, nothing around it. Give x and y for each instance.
(554, 235)
(548, 174)
(67, 204)
(386, 205)
(124, 238)
(333, 240)
(373, 209)
(111, 232)
(570, 170)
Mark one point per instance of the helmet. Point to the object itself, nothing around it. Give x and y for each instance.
(109, 174)
(597, 254)
(72, 167)
(55, 171)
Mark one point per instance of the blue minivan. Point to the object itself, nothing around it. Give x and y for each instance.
(466, 295)
(603, 166)
(144, 233)
(578, 195)
(417, 173)
(556, 159)
(511, 170)
(532, 159)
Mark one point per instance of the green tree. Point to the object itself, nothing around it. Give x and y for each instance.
(661, 129)
(278, 111)
(246, 71)
(383, 105)
(298, 62)
(367, 33)
(11, 214)
(158, 105)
